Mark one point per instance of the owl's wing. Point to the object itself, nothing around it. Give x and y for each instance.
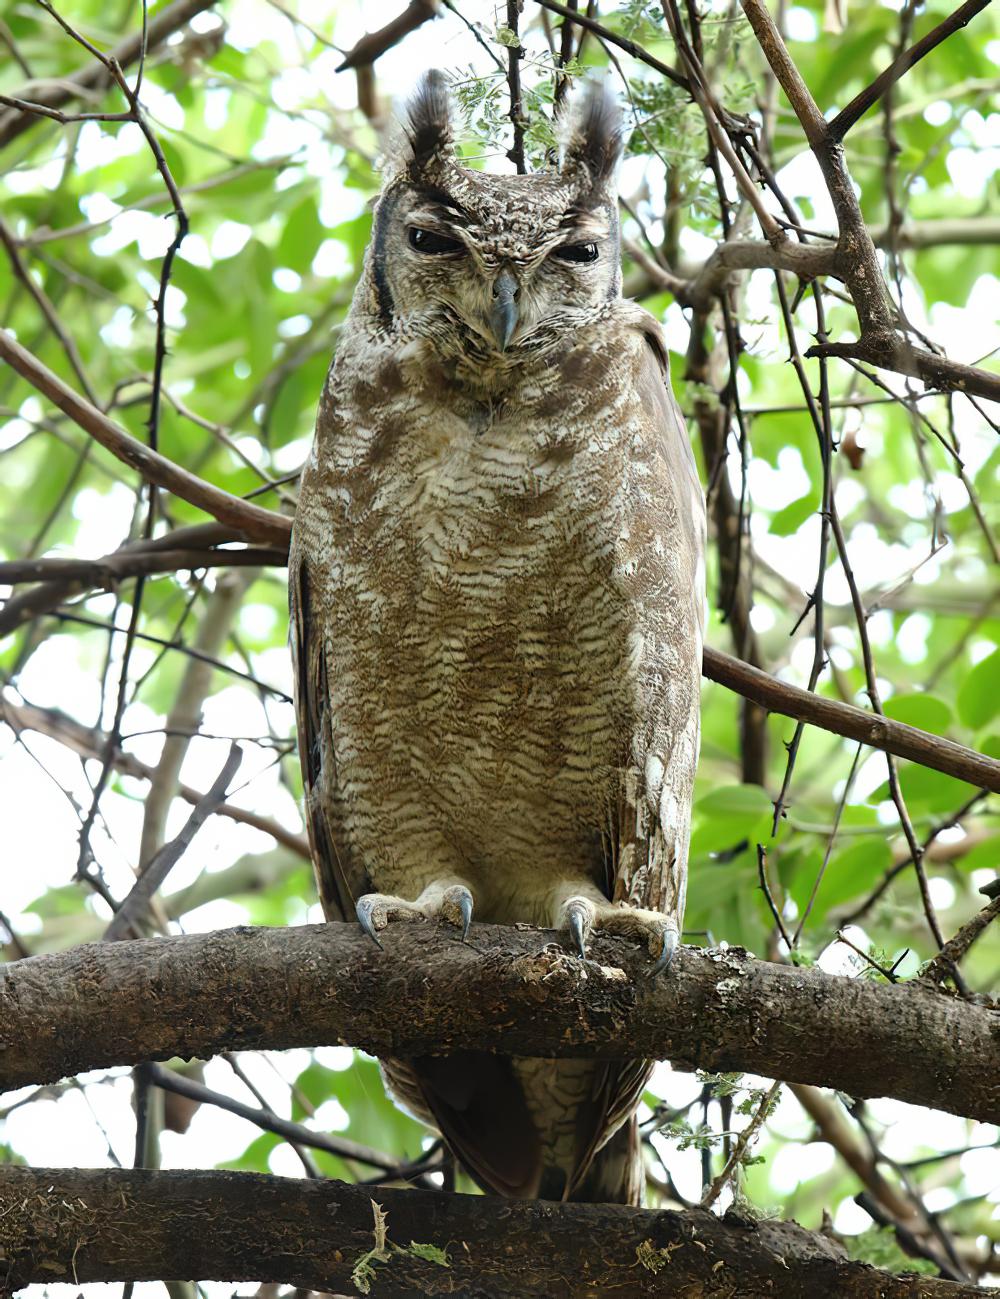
(650, 827)
(649, 832)
(341, 881)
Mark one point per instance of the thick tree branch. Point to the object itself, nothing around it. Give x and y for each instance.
(118, 1225)
(95, 77)
(257, 523)
(516, 992)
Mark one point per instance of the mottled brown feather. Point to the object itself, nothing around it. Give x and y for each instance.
(497, 606)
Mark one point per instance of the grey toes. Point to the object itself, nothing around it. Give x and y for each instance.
(457, 907)
(365, 911)
(670, 944)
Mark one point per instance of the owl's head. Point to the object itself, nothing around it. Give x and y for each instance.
(460, 253)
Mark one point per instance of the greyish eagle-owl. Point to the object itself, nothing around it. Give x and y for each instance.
(497, 598)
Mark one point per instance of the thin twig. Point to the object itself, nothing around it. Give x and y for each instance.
(94, 744)
(342, 1147)
(95, 77)
(621, 42)
(769, 897)
(159, 867)
(739, 1150)
(831, 840)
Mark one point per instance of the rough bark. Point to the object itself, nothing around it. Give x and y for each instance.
(115, 1225)
(509, 990)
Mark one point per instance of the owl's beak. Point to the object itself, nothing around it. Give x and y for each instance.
(504, 311)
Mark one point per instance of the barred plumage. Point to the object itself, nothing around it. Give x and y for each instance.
(497, 605)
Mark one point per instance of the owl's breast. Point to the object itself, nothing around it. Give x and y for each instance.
(482, 620)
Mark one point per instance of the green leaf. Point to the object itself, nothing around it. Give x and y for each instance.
(854, 870)
(792, 516)
(979, 694)
(926, 711)
(429, 1253)
(735, 802)
(302, 235)
(931, 791)
(728, 816)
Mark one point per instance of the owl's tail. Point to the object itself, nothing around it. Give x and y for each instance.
(532, 1129)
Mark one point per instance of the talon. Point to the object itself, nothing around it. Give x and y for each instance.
(458, 899)
(364, 910)
(577, 917)
(670, 943)
(465, 906)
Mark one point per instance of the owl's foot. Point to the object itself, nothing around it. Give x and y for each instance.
(582, 915)
(449, 901)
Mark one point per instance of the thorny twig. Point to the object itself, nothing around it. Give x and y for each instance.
(516, 111)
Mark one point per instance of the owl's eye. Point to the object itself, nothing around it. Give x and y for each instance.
(576, 252)
(426, 241)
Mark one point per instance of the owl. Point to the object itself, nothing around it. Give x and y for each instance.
(497, 609)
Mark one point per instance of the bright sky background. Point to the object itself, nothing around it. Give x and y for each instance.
(41, 850)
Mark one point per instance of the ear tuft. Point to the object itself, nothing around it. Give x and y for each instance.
(593, 134)
(427, 124)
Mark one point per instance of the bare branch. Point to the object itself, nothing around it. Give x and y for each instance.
(516, 109)
(870, 96)
(518, 992)
(267, 1121)
(704, 99)
(183, 721)
(257, 523)
(620, 42)
(159, 867)
(119, 1225)
(938, 371)
(955, 948)
(375, 44)
(857, 261)
(94, 744)
(96, 76)
(853, 723)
